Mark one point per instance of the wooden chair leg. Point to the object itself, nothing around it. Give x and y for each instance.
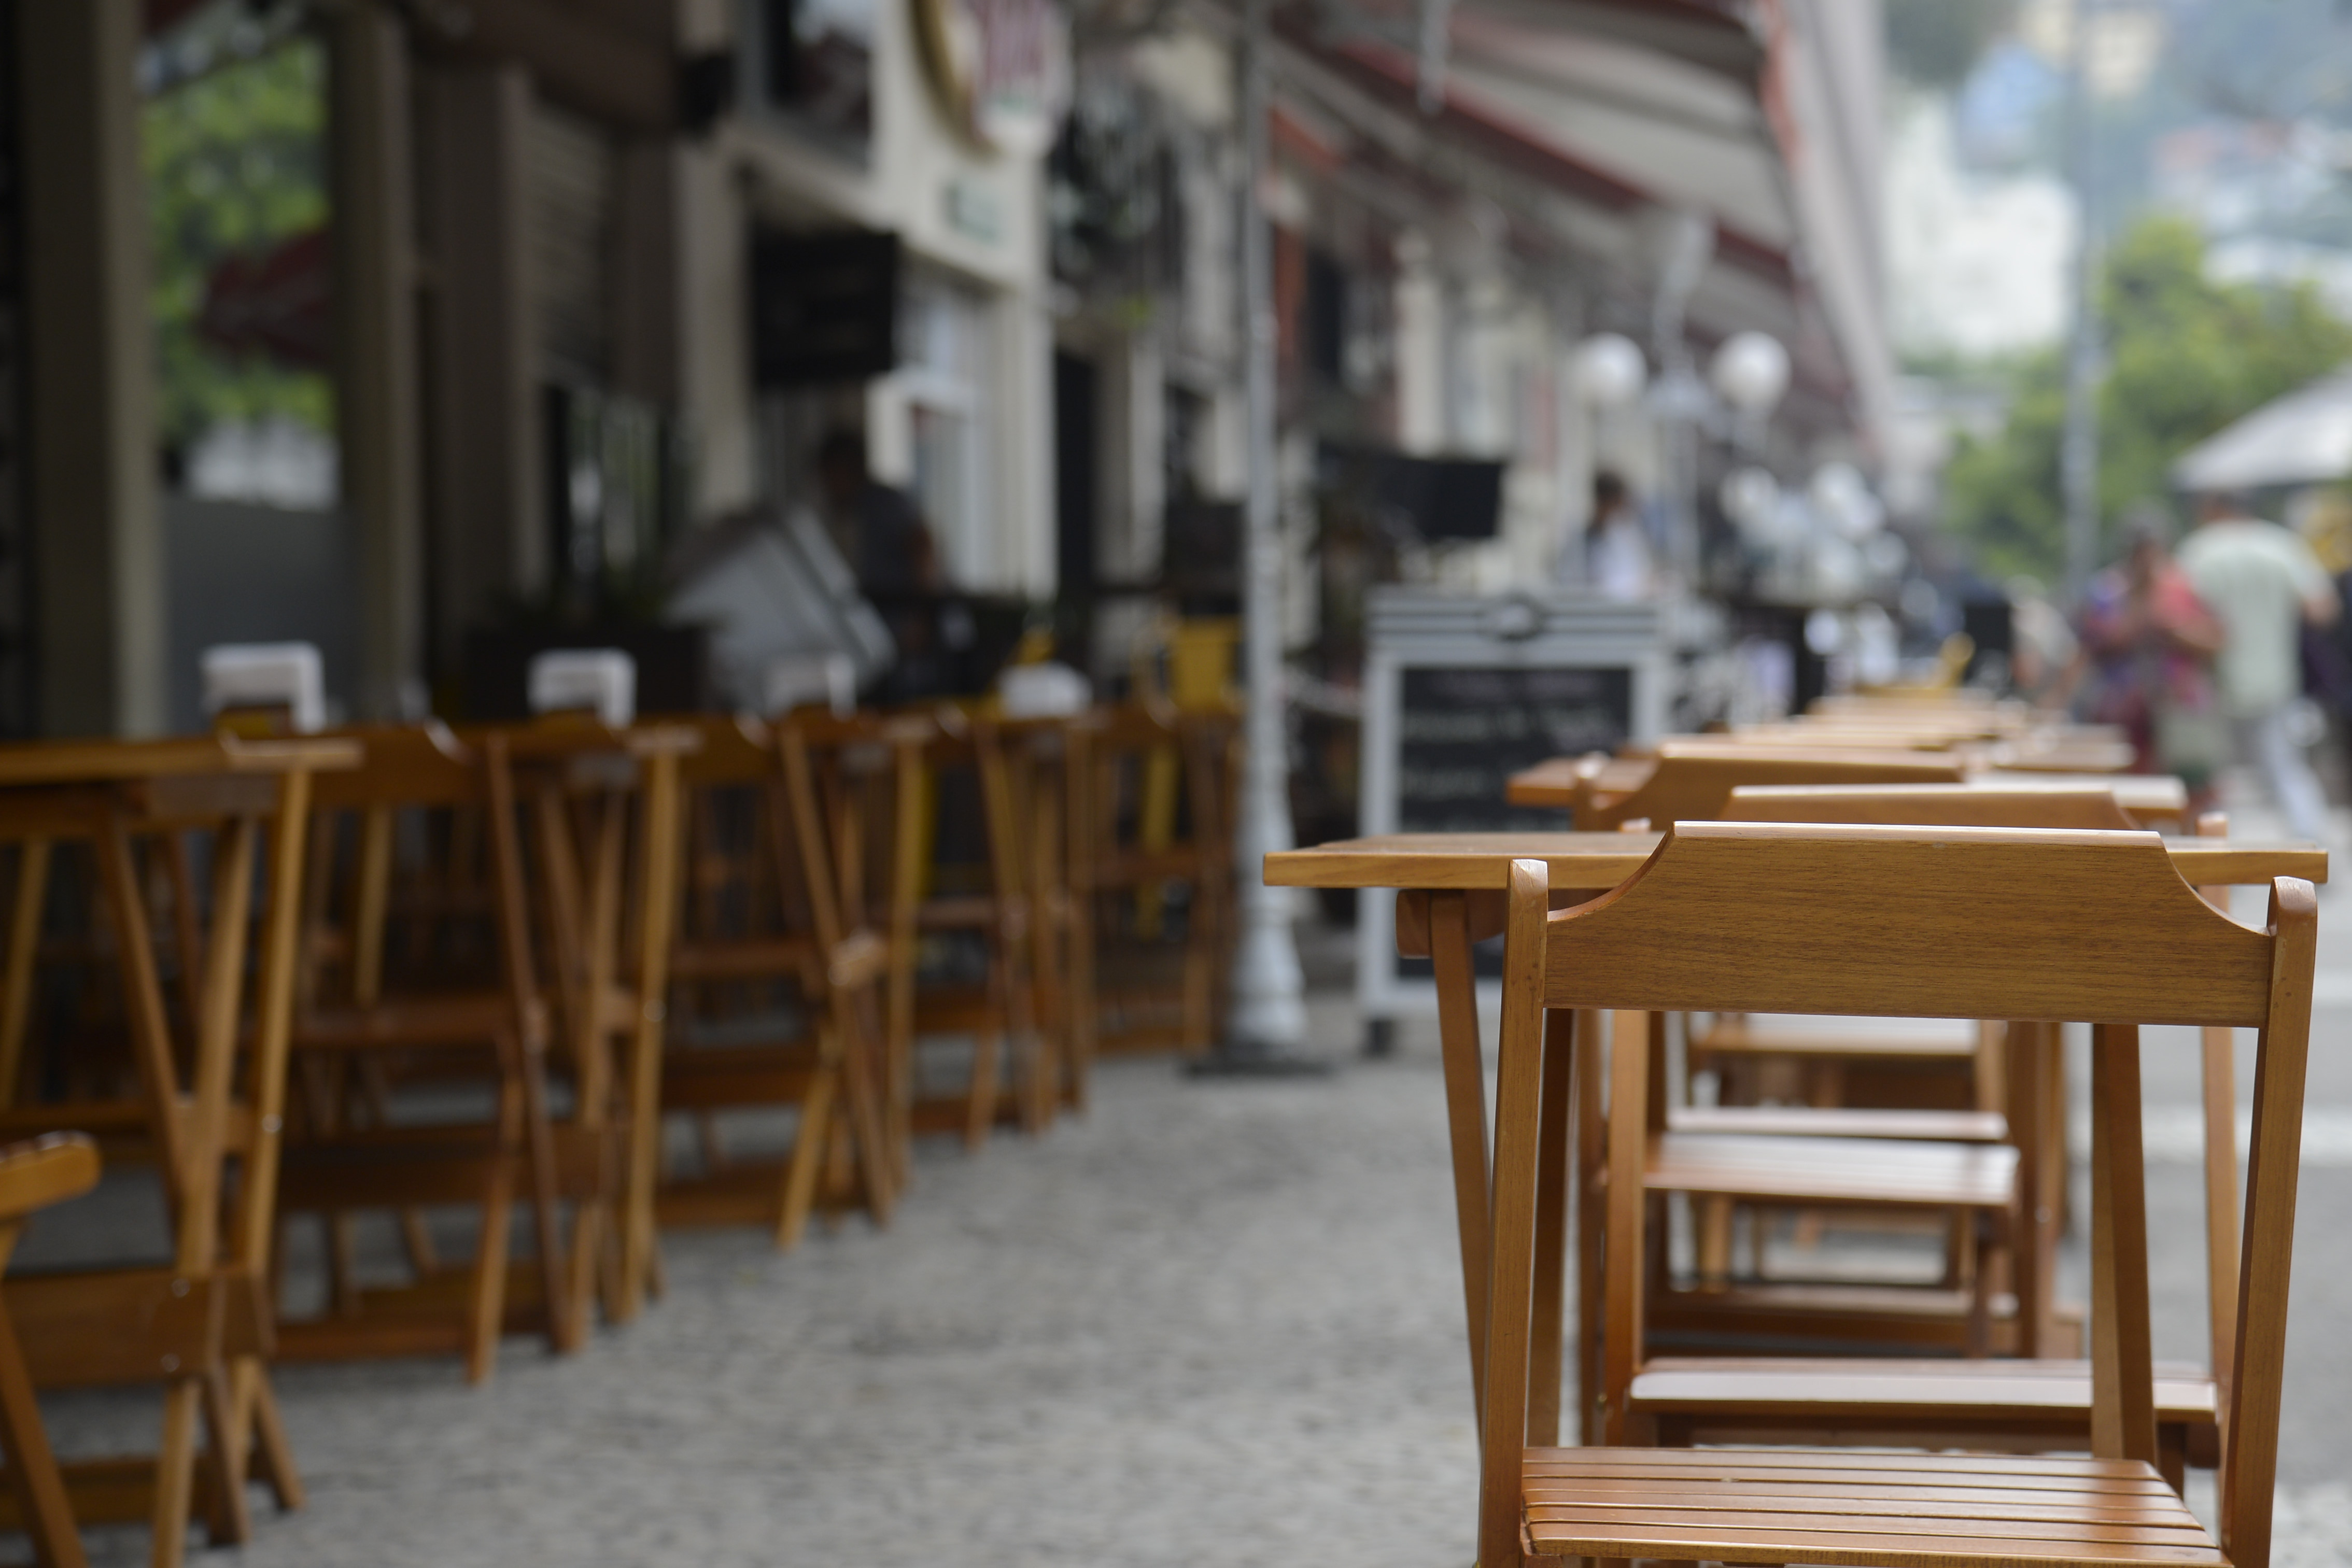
(229, 1521)
(862, 1105)
(175, 1474)
(32, 1469)
(273, 1454)
(488, 1292)
(1713, 1213)
(1546, 1329)
(809, 1141)
(589, 1244)
(979, 1110)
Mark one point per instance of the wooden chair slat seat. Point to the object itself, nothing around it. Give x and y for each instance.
(1866, 1510)
(1813, 1170)
(1731, 1390)
(744, 958)
(1807, 1034)
(421, 1022)
(1841, 1121)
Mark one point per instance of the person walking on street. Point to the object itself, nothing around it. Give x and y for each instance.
(2147, 644)
(2264, 584)
(1617, 561)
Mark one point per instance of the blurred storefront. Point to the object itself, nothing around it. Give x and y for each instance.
(391, 326)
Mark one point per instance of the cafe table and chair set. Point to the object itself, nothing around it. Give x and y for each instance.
(1809, 984)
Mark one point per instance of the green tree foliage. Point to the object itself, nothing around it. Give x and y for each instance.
(1935, 43)
(2185, 356)
(235, 165)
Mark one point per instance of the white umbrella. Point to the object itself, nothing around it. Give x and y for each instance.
(2303, 438)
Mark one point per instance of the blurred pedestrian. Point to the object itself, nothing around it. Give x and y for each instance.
(2148, 642)
(877, 526)
(2264, 585)
(1617, 561)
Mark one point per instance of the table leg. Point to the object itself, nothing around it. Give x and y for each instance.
(1466, 1110)
(1552, 1198)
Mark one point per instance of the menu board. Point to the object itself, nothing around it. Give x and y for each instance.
(1459, 692)
(1462, 732)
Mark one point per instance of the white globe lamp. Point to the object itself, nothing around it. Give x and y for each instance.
(1751, 371)
(1609, 370)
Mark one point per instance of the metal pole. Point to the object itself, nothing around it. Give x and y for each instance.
(1269, 1009)
(2078, 455)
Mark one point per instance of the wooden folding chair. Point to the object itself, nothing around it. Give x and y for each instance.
(1908, 922)
(606, 804)
(34, 1175)
(768, 959)
(971, 922)
(1154, 815)
(424, 975)
(204, 1102)
(1043, 759)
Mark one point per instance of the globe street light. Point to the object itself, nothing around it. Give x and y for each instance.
(1609, 370)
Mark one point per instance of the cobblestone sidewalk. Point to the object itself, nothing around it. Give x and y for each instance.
(1212, 1326)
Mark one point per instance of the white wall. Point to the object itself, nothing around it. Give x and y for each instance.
(966, 213)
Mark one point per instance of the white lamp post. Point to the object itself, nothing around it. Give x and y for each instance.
(1268, 1020)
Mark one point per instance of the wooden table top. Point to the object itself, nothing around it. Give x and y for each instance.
(50, 762)
(1470, 861)
(1560, 782)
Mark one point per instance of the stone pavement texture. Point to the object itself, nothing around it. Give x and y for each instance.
(1206, 1324)
(1209, 1324)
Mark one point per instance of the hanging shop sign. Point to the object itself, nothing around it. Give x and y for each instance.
(1000, 69)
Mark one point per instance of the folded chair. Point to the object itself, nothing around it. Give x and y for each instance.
(972, 926)
(1042, 757)
(424, 976)
(767, 961)
(34, 1175)
(1900, 922)
(170, 1053)
(1154, 815)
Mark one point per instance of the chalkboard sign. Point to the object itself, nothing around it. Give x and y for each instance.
(1463, 732)
(1461, 692)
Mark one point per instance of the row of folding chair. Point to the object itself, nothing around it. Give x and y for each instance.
(1871, 950)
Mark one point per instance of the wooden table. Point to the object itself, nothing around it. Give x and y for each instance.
(1566, 782)
(199, 1325)
(1450, 890)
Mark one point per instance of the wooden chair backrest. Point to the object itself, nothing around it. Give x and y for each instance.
(1930, 805)
(973, 744)
(409, 767)
(41, 1171)
(1904, 922)
(1693, 781)
(406, 764)
(734, 748)
(1121, 750)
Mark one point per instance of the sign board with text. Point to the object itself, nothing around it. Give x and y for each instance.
(1462, 692)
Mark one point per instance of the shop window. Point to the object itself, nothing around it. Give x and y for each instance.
(233, 134)
(812, 64)
(948, 424)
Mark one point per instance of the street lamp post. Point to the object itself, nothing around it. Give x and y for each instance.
(2078, 452)
(1268, 1018)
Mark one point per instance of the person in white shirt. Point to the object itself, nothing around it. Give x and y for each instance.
(2264, 584)
(1617, 559)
